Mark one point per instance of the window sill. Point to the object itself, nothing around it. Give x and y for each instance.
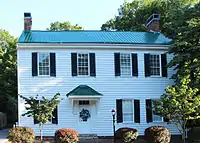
(156, 76)
(46, 76)
(131, 122)
(79, 76)
(159, 122)
(126, 76)
(48, 124)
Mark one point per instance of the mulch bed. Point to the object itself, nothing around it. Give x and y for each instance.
(175, 139)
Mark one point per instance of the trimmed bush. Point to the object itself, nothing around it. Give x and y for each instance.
(66, 135)
(157, 134)
(21, 135)
(126, 135)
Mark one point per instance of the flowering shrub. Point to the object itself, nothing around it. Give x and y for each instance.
(127, 135)
(66, 135)
(157, 134)
(21, 135)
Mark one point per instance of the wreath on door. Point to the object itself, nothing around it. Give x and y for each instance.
(84, 114)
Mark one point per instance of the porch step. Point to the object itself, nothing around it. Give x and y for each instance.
(87, 136)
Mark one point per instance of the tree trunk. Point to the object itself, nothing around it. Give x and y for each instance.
(184, 133)
(41, 127)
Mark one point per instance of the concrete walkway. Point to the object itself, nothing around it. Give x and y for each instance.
(3, 135)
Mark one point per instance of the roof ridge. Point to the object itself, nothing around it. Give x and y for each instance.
(87, 31)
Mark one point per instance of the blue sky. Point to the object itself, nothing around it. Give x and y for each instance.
(90, 14)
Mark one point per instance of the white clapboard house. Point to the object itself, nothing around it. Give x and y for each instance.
(95, 72)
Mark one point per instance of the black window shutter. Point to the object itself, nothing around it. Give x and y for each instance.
(117, 64)
(74, 64)
(134, 65)
(52, 64)
(35, 120)
(137, 111)
(147, 64)
(119, 111)
(164, 65)
(166, 119)
(34, 64)
(148, 110)
(55, 114)
(92, 65)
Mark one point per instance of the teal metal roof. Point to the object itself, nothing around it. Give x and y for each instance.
(83, 90)
(111, 37)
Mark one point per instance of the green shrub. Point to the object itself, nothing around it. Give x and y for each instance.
(66, 135)
(21, 135)
(126, 135)
(157, 134)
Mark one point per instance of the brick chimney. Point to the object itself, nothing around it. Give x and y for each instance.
(27, 21)
(153, 23)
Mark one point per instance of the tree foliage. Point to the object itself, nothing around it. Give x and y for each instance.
(41, 110)
(59, 26)
(8, 75)
(132, 16)
(186, 47)
(180, 104)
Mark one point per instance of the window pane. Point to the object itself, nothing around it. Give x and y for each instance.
(127, 110)
(125, 64)
(155, 64)
(157, 118)
(44, 64)
(82, 64)
(127, 117)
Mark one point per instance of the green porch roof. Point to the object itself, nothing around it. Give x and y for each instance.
(85, 36)
(83, 90)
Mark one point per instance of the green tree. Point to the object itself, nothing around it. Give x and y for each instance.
(132, 16)
(186, 47)
(41, 110)
(180, 104)
(59, 26)
(8, 76)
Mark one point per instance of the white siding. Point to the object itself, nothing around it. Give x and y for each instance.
(105, 82)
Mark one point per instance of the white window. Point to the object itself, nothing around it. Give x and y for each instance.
(155, 65)
(44, 63)
(155, 116)
(127, 110)
(83, 66)
(125, 64)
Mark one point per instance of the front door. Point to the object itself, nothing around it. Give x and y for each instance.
(84, 116)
